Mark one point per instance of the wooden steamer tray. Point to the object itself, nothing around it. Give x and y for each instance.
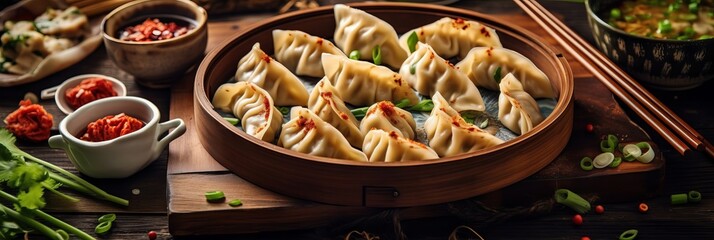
(192, 170)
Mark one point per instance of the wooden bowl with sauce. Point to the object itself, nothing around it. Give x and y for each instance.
(374, 184)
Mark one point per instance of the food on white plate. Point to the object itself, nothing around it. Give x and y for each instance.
(449, 134)
(328, 105)
(363, 83)
(282, 85)
(453, 37)
(385, 116)
(517, 110)
(252, 105)
(111, 127)
(361, 31)
(301, 52)
(382, 146)
(429, 73)
(25, 44)
(89, 90)
(486, 66)
(307, 133)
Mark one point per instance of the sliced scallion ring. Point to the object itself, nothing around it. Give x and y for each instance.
(609, 144)
(103, 227)
(586, 163)
(107, 217)
(629, 234)
(616, 162)
(215, 196)
(649, 154)
(694, 196)
(603, 160)
(235, 203)
(630, 152)
(354, 55)
(377, 55)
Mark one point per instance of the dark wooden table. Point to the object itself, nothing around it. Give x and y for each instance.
(148, 210)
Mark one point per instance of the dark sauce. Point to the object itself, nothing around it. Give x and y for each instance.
(155, 28)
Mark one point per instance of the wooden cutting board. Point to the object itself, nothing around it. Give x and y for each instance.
(192, 171)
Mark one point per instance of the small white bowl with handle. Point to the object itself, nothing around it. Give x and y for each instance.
(122, 156)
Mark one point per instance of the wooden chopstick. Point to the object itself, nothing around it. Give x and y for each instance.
(679, 126)
(618, 86)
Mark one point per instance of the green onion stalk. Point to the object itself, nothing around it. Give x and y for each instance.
(572, 200)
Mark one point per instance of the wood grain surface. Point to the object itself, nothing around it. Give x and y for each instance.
(663, 221)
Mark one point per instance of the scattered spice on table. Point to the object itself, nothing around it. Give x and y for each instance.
(30, 121)
(599, 209)
(111, 127)
(578, 220)
(89, 90)
(643, 207)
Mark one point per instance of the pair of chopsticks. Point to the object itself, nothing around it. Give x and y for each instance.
(95, 7)
(670, 126)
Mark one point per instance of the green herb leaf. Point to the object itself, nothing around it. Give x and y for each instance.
(412, 41)
(497, 75)
(107, 218)
(424, 106)
(235, 203)
(32, 198)
(468, 116)
(354, 55)
(359, 112)
(284, 110)
(377, 55)
(403, 103)
(232, 121)
(483, 124)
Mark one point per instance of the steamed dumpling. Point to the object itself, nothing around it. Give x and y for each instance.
(517, 110)
(381, 146)
(259, 68)
(363, 84)
(481, 64)
(428, 73)
(384, 115)
(327, 104)
(301, 52)
(252, 105)
(307, 133)
(361, 31)
(454, 37)
(449, 134)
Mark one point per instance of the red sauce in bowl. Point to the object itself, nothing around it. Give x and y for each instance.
(154, 29)
(111, 127)
(88, 90)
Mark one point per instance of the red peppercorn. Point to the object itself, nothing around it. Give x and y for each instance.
(643, 208)
(599, 209)
(578, 220)
(589, 127)
(585, 238)
(152, 235)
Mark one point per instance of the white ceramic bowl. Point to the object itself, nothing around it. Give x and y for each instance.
(57, 92)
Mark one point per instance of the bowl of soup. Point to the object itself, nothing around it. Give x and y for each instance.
(156, 41)
(664, 44)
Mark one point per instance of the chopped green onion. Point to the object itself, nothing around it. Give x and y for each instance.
(678, 199)
(672, 7)
(586, 163)
(107, 217)
(609, 144)
(572, 200)
(616, 162)
(359, 112)
(644, 16)
(629, 18)
(615, 13)
(377, 55)
(694, 196)
(468, 116)
(705, 37)
(688, 17)
(483, 124)
(215, 196)
(497, 75)
(664, 26)
(412, 41)
(629, 234)
(424, 106)
(232, 121)
(283, 110)
(649, 154)
(412, 68)
(403, 103)
(354, 55)
(603, 160)
(693, 7)
(630, 152)
(103, 227)
(235, 203)
(689, 32)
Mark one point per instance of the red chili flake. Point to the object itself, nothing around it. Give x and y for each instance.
(387, 108)
(152, 235)
(393, 134)
(306, 124)
(88, 90)
(459, 21)
(344, 116)
(326, 94)
(30, 121)
(417, 143)
(488, 51)
(266, 58)
(578, 220)
(268, 107)
(152, 30)
(485, 32)
(111, 127)
(589, 128)
(471, 129)
(643, 208)
(599, 209)
(585, 238)
(398, 80)
(431, 56)
(319, 41)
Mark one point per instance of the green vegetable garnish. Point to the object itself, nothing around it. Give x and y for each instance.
(107, 217)
(572, 200)
(103, 227)
(664, 26)
(609, 144)
(215, 196)
(586, 163)
(412, 68)
(412, 41)
(705, 37)
(354, 55)
(403, 103)
(628, 235)
(497, 75)
(688, 17)
(615, 13)
(232, 121)
(284, 110)
(377, 55)
(484, 124)
(359, 112)
(468, 116)
(629, 18)
(235, 203)
(424, 106)
(693, 7)
(616, 162)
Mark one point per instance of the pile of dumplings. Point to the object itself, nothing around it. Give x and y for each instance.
(320, 122)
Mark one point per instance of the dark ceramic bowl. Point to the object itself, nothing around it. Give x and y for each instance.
(663, 64)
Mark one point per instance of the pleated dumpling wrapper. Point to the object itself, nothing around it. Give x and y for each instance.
(252, 105)
(429, 73)
(328, 105)
(485, 66)
(453, 37)
(449, 134)
(358, 30)
(363, 83)
(382, 146)
(517, 110)
(384, 115)
(307, 133)
(259, 68)
(301, 52)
